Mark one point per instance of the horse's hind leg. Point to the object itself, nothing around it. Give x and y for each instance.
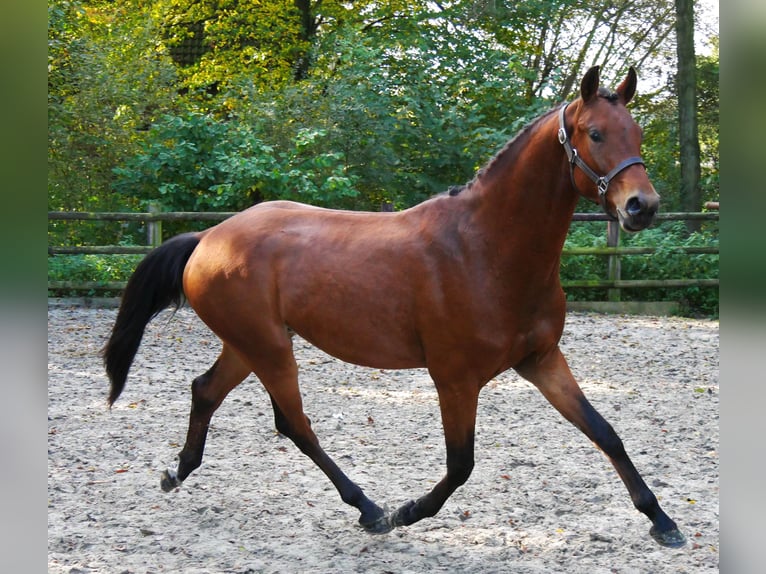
(208, 392)
(552, 376)
(278, 372)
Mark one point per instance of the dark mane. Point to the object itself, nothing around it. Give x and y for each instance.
(453, 190)
(456, 189)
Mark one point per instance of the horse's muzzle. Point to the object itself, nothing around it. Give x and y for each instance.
(638, 212)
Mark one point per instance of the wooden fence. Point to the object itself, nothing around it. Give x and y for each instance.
(612, 282)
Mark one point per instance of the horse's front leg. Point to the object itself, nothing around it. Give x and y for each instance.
(208, 392)
(458, 409)
(551, 375)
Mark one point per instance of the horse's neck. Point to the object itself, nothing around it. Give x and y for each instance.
(527, 198)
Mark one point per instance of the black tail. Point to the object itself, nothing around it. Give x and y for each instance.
(154, 285)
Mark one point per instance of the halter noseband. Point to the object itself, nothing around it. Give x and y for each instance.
(602, 182)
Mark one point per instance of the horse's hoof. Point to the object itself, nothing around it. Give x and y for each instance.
(669, 538)
(169, 480)
(382, 525)
(377, 521)
(402, 516)
(386, 522)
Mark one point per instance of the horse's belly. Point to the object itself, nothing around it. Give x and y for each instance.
(377, 337)
(377, 355)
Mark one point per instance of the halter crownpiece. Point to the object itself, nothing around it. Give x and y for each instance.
(601, 181)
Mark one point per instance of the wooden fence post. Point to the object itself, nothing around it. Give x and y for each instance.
(154, 228)
(613, 272)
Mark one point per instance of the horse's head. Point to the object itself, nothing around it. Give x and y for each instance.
(603, 144)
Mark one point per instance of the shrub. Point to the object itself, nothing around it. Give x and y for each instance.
(669, 261)
(99, 268)
(198, 163)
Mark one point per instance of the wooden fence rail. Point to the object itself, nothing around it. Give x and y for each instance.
(612, 251)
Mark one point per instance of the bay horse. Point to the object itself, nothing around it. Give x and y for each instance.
(465, 284)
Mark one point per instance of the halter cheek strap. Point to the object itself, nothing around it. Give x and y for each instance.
(602, 182)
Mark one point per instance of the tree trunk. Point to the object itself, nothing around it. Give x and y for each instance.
(308, 33)
(687, 110)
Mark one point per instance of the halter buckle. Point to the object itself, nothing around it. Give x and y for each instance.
(603, 185)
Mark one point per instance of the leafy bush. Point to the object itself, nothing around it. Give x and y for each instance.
(669, 261)
(585, 267)
(99, 268)
(195, 162)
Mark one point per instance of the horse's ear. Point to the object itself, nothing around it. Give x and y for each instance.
(627, 89)
(589, 84)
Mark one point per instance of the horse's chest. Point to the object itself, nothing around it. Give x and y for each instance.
(519, 337)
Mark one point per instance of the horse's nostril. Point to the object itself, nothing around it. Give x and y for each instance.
(634, 206)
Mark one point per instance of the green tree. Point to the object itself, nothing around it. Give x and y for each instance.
(220, 44)
(106, 82)
(404, 98)
(196, 162)
(551, 43)
(659, 114)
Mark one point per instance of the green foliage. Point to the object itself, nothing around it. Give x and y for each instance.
(658, 115)
(660, 149)
(99, 268)
(404, 131)
(197, 163)
(215, 105)
(669, 261)
(407, 97)
(585, 267)
(106, 81)
(236, 40)
(708, 121)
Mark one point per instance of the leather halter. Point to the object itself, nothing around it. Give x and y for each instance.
(602, 182)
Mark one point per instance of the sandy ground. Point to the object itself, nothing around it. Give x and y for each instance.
(541, 498)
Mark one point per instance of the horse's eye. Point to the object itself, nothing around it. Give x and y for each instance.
(595, 135)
